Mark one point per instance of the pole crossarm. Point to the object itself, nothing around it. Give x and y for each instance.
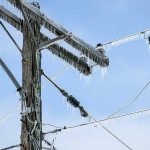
(10, 18)
(58, 30)
(56, 49)
(68, 57)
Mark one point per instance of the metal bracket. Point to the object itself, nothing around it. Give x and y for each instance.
(51, 42)
(27, 111)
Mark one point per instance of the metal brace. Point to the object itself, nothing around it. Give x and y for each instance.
(28, 110)
(51, 42)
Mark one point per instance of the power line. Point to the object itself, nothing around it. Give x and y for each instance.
(10, 75)
(11, 37)
(117, 138)
(59, 72)
(108, 131)
(2, 119)
(132, 101)
(70, 99)
(15, 146)
(102, 120)
(139, 35)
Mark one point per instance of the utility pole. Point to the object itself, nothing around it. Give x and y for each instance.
(31, 134)
(33, 42)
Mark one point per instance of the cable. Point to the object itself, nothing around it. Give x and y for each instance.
(10, 36)
(10, 75)
(117, 138)
(136, 97)
(125, 39)
(44, 124)
(9, 113)
(103, 120)
(19, 145)
(60, 71)
(70, 99)
(107, 130)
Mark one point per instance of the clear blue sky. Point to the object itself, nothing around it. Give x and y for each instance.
(94, 21)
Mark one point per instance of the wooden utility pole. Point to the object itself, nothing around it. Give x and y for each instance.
(33, 42)
(31, 134)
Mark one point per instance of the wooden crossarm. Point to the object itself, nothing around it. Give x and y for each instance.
(58, 30)
(55, 48)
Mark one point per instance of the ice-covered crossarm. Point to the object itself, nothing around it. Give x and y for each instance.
(56, 49)
(58, 30)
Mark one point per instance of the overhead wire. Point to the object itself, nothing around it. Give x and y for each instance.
(83, 112)
(132, 101)
(10, 113)
(14, 146)
(102, 120)
(110, 132)
(59, 72)
(11, 37)
(128, 37)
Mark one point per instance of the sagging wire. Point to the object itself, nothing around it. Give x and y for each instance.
(75, 103)
(11, 37)
(102, 120)
(70, 99)
(60, 71)
(14, 146)
(10, 75)
(2, 119)
(132, 101)
(95, 121)
(51, 125)
(108, 131)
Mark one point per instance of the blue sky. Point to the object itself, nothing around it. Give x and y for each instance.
(94, 21)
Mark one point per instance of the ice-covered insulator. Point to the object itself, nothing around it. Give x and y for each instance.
(83, 58)
(36, 4)
(73, 101)
(83, 112)
(100, 48)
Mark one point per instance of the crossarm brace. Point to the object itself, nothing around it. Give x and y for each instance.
(51, 42)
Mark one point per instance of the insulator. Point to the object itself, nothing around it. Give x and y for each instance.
(100, 48)
(82, 58)
(73, 101)
(83, 112)
(36, 4)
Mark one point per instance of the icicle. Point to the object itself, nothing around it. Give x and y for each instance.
(53, 59)
(125, 40)
(81, 76)
(104, 71)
